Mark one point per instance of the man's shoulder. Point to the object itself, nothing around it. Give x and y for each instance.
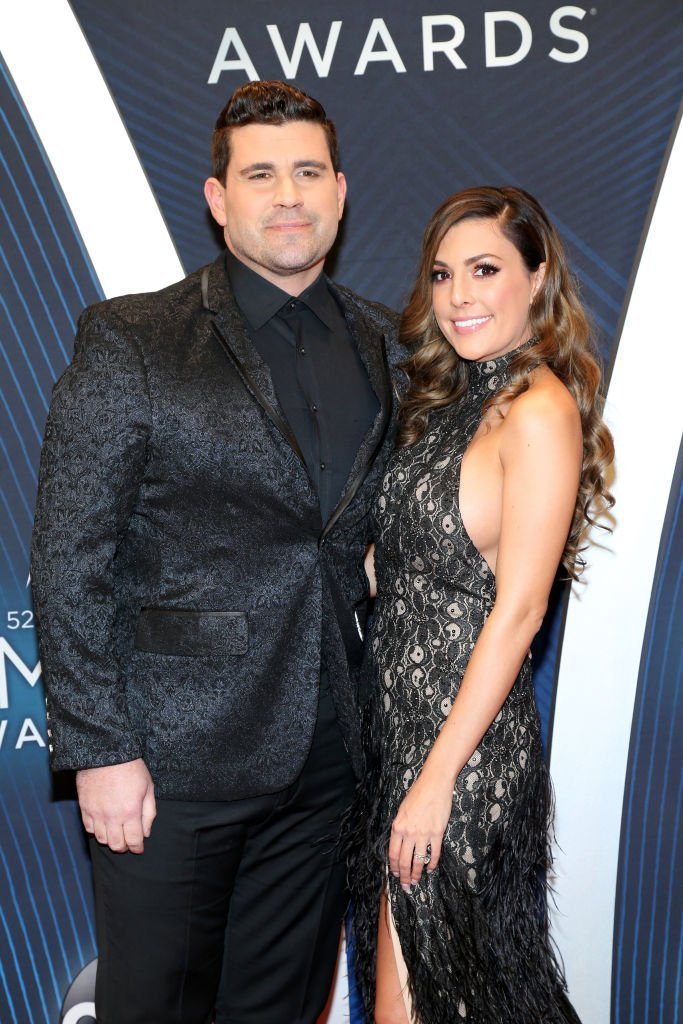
(140, 308)
(377, 312)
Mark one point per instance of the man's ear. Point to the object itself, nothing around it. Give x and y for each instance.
(214, 194)
(341, 192)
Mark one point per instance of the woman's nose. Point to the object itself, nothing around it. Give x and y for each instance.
(461, 292)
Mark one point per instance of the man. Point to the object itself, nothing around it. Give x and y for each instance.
(209, 463)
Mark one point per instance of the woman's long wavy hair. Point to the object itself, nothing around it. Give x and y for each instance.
(438, 376)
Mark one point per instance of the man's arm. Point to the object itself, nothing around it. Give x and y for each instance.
(92, 464)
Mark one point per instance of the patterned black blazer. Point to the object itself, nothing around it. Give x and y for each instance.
(184, 583)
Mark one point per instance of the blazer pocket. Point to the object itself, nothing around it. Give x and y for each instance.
(192, 634)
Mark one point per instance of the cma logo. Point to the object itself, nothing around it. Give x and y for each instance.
(29, 735)
(442, 38)
(79, 1003)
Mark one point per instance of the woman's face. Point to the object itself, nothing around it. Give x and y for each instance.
(482, 290)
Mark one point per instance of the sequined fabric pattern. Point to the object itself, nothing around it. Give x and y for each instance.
(435, 591)
(469, 930)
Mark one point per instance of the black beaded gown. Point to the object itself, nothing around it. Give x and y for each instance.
(474, 933)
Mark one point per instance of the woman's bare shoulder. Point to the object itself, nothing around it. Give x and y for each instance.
(544, 416)
(546, 401)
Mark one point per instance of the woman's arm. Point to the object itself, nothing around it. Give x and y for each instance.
(540, 453)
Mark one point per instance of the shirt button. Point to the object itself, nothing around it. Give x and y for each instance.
(314, 408)
(322, 465)
(302, 351)
(292, 305)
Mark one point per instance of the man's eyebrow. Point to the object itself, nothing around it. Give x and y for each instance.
(319, 165)
(256, 167)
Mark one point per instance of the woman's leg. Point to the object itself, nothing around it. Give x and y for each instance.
(392, 998)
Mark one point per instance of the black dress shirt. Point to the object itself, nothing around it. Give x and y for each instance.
(319, 377)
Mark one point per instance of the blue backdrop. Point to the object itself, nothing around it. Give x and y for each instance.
(575, 104)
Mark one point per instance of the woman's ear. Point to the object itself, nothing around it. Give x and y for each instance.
(538, 277)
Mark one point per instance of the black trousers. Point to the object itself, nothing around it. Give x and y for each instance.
(234, 907)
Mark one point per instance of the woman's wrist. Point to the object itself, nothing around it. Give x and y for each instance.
(440, 769)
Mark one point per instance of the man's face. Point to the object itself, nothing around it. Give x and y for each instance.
(281, 202)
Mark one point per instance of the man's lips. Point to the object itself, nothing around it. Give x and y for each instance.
(289, 225)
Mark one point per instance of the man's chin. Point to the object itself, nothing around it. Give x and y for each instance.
(289, 264)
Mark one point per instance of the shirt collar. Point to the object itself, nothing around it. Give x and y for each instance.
(320, 301)
(260, 300)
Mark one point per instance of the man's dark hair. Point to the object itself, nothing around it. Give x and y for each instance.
(267, 103)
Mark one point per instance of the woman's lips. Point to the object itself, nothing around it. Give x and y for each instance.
(470, 324)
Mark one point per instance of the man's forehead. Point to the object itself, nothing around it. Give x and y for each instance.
(286, 143)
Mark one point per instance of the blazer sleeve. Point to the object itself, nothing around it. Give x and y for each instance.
(91, 468)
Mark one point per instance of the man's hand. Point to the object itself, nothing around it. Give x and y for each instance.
(117, 804)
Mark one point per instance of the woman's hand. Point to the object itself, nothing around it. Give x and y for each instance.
(419, 825)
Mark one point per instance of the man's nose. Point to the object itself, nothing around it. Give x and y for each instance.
(287, 193)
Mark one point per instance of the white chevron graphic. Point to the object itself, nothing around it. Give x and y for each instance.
(606, 620)
(88, 147)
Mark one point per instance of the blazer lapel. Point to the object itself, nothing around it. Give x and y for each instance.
(371, 348)
(228, 327)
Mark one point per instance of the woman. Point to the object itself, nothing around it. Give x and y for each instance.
(499, 471)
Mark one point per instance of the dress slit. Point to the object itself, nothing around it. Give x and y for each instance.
(401, 967)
